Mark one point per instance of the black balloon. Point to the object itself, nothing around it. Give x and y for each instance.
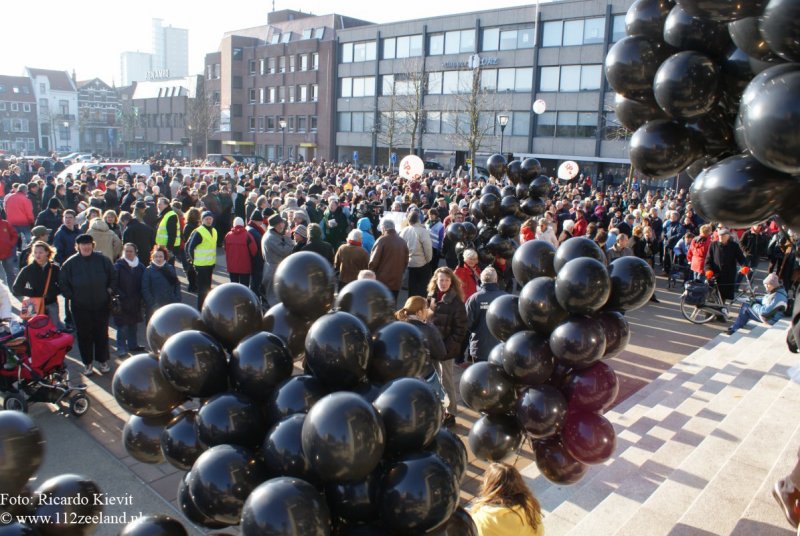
(496, 355)
(534, 258)
(67, 503)
(527, 358)
(355, 501)
(631, 65)
(231, 418)
(538, 306)
(501, 247)
(646, 17)
(522, 190)
(663, 148)
(369, 300)
(305, 284)
(508, 191)
(781, 29)
(560, 375)
(259, 363)
(490, 206)
(411, 414)
(632, 114)
(617, 331)
(496, 165)
(285, 506)
(189, 509)
(685, 84)
(583, 286)
(556, 464)
(418, 493)
(470, 234)
(488, 389)
(296, 395)
(343, 436)
(541, 186)
(221, 480)
(194, 363)
(154, 525)
(475, 210)
(746, 35)
(541, 411)
(141, 437)
(455, 232)
(231, 312)
(449, 447)
(291, 328)
(632, 283)
(282, 450)
(398, 349)
(588, 437)
(575, 248)
(514, 171)
(529, 170)
(685, 32)
(494, 437)
(169, 320)
(533, 206)
(337, 350)
(180, 442)
(492, 189)
(21, 450)
(721, 10)
(508, 227)
(592, 389)
(459, 524)
(503, 318)
(716, 134)
(139, 388)
(579, 342)
(486, 231)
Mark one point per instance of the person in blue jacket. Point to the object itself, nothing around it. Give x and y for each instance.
(367, 240)
(768, 309)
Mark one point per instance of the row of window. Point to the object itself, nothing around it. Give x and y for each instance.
(270, 123)
(16, 125)
(454, 82)
(356, 121)
(278, 64)
(14, 106)
(270, 95)
(566, 125)
(19, 145)
(16, 89)
(308, 33)
(570, 78)
(161, 121)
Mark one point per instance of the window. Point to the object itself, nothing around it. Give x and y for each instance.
(408, 46)
(271, 95)
(292, 63)
(63, 133)
(315, 61)
(459, 41)
(587, 124)
(2, 106)
(520, 123)
(436, 45)
(14, 106)
(319, 32)
(43, 86)
(363, 86)
(312, 123)
(551, 33)
(252, 124)
(433, 122)
(435, 83)
(450, 83)
(345, 122)
(387, 84)
(63, 105)
(285, 38)
(271, 63)
(594, 30)
(573, 32)
(491, 37)
(236, 110)
(390, 48)
(546, 125)
(251, 93)
(262, 66)
(505, 80)
(618, 28)
(290, 125)
(261, 124)
(282, 94)
(26, 107)
(314, 93)
(276, 38)
(270, 123)
(290, 91)
(236, 82)
(307, 33)
(301, 123)
(591, 77)
(302, 94)
(570, 78)
(303, 62)
(508, 40)
(347, 53)
(347, 87)
(525, 38)
(567, 125)
(489, 80)
(577, 32)
(237, 54)
(282, 64)
(251, 66)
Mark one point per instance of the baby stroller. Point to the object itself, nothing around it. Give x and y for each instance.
(32, 367)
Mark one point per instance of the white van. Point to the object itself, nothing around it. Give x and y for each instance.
(131, 168)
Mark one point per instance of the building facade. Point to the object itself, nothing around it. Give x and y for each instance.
(169, 58)
(98, 108)
(270, 89)
(56, 96)
(18, 116)
(440, 85)
(135, 66)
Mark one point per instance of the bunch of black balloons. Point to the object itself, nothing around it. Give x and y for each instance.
(548, 380)
(352, 446)
(712, 88)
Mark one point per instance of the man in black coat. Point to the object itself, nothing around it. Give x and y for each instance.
(481, 340)
(722, 257)
(140, 234)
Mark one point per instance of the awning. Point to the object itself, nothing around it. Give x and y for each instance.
(234, 142)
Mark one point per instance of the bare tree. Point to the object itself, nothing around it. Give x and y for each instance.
(387, 127)
(200, 115)
(403, 117)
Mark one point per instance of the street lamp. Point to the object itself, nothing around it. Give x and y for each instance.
(65, 124)
(282, 123)
(503, 120)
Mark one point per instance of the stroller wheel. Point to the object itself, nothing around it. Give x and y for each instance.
(79, 405)
(15, 402)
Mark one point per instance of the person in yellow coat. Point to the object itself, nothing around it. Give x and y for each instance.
(505, 506)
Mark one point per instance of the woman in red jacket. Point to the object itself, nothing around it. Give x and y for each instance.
(240, 248)
(469, 273)
(698, 251)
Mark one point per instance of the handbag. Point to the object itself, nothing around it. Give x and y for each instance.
(115, 305)
(38, 303)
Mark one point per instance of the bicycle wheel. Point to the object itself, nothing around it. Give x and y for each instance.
(696, 315)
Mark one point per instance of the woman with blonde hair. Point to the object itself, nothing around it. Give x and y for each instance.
(446, 299)
(505, 506)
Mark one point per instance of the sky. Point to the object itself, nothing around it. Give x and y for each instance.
(89, 35)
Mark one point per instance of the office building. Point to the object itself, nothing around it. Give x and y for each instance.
(169, 58)
(135, 66)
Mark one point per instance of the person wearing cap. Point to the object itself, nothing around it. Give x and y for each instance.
(316, 244)
(240, 248)
(350, 258)
(767, 309)
(168, 232)
(51, 216)
(87, 279)
(389, 257)
(300, 236)
(335, 223)
(722, 258)
(255, 227)
(201, 251)
(40, 232)
(276, 246)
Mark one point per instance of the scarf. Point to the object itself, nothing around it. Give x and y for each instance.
(168, 274)
(134, 263)
(354, 243)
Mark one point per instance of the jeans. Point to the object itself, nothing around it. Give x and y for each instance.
(126, 337)
(24, 232)
(10, 269)
(745, 315)
(91, 328)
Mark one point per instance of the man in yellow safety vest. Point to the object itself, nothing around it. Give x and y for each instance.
(168, 232)
(201, 251)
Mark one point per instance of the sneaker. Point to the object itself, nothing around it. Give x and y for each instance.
(788, 498)
(729, 331)
(103, 367)
(449, 420)
(88, 370)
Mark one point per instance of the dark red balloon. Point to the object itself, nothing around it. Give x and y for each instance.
(588, 436)
(556, 464)
(592, 389)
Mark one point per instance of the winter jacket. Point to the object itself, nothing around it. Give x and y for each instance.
(389, 259)
(433, 339)
(336, 235)
(367, 240)
(436, 232)
(450, 318)
(142, 236)
(19, 210)
(470, 279)
(64, 242)
(106, 241)
(349, 260)
(481, 340)
(86, 279)
(320, 246)
(722, 260)
(697, 253)
(276, 247)
(31, 281)
(548, 236)
(504, 521)
(526, 234)
(770, 308)
(157, 290)
(50, 220)
(255, 230)
(8, 239)
(240, 248)
(129, 289)
(418, 240)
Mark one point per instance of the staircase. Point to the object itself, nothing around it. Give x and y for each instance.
(698, 449)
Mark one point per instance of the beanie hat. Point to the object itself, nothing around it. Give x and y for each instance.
(301, 231)
(238, 221)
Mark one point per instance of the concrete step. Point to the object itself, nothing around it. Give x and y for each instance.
(667, 435)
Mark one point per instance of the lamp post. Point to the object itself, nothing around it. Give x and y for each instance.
(503, 120)
(282, 123)
(65, 124)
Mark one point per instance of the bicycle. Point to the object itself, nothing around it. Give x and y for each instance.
(747, 294)
(702, 302)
